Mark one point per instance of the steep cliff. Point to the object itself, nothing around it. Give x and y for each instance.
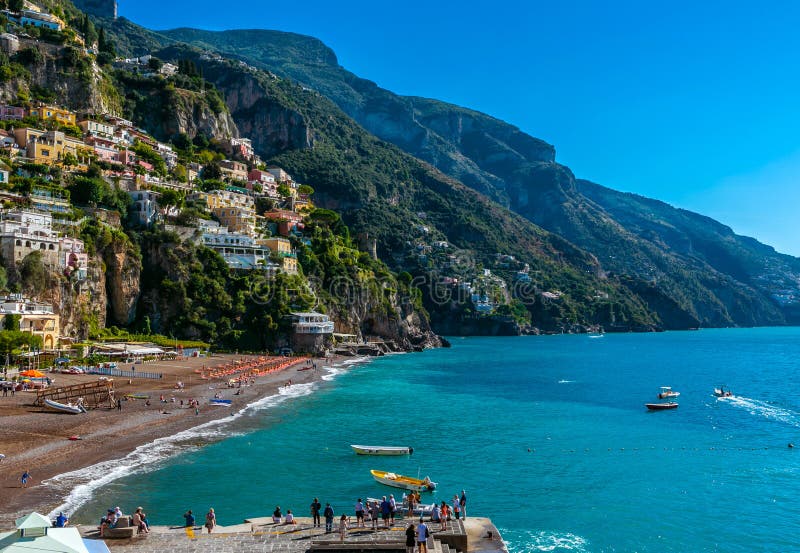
(699, 273)
(167, 110)
(56, 72)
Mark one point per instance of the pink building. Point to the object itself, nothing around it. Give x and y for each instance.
(8, 113)
(105, 149)
(127, 157)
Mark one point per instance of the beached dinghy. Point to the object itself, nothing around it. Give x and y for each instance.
(405, 482)
(220, 402)
(382, 450)
(65, 407)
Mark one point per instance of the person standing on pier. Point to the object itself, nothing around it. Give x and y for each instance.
(463, 502)
(374, 513)
(316, 506)
(359, 513)
(386, 511)
(328, 518)
(342, 528)
(456, 507)
(392, 508)
(411, 538)
(422, 537)
(211, 520)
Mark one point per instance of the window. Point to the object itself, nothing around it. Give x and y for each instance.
(27, 244)
(42, 246)
(45, 153)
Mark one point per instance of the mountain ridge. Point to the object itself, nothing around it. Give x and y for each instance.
(529, 182)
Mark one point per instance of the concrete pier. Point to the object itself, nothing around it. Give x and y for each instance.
(261, 535)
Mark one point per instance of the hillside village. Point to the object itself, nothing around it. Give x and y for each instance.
(66, 174)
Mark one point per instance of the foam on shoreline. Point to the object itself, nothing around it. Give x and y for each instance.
(84, 482)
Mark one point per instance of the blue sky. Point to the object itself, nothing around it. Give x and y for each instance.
(693, 103)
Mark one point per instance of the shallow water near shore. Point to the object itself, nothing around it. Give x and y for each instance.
(548, 435)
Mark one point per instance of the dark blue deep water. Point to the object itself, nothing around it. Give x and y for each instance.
(548, 435)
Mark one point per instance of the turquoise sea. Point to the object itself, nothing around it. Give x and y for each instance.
(548, 435)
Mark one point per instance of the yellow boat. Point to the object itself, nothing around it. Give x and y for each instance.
(405, 482)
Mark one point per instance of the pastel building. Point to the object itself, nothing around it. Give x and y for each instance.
(239, 251)
(23, 232)
(44, 112)
(11, 113)
(97, 128)
(233, 170)
(35, 318)
(144, 210)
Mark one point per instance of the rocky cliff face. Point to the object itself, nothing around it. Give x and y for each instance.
(80, 304)
(123, 272)
(395, 321)
(88, 91)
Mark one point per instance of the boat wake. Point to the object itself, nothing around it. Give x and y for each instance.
(533, 540)
(763, 409)
(147, 457)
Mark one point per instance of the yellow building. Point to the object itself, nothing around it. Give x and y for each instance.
(51, 148)
(63, 116)
(36, 318)
(236, 219)
(283, 248)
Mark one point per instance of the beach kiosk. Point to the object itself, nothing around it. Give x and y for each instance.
(35, 534)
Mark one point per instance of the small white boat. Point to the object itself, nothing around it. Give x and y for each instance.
(420, 509)
(667, 392)
(405, 482)
(381, 450)
(722, 392)
(65, 407)
(220, 402)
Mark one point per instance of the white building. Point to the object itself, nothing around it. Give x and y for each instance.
(312, 323)
(239, 251)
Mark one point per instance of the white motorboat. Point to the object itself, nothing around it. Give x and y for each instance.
(72, 408)
(382, 450)
(667, 392)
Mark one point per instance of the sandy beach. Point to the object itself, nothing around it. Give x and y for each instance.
(37, 439)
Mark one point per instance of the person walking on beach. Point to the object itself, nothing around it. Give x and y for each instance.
(411, 538)
(342, 528)
(316, 506)
(211, 520)
(422, 537)
(189, 519)
(25, 477)
(463, 502)
(328, 518)
(359, 513)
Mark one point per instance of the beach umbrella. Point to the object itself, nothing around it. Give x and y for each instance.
(32, 373)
